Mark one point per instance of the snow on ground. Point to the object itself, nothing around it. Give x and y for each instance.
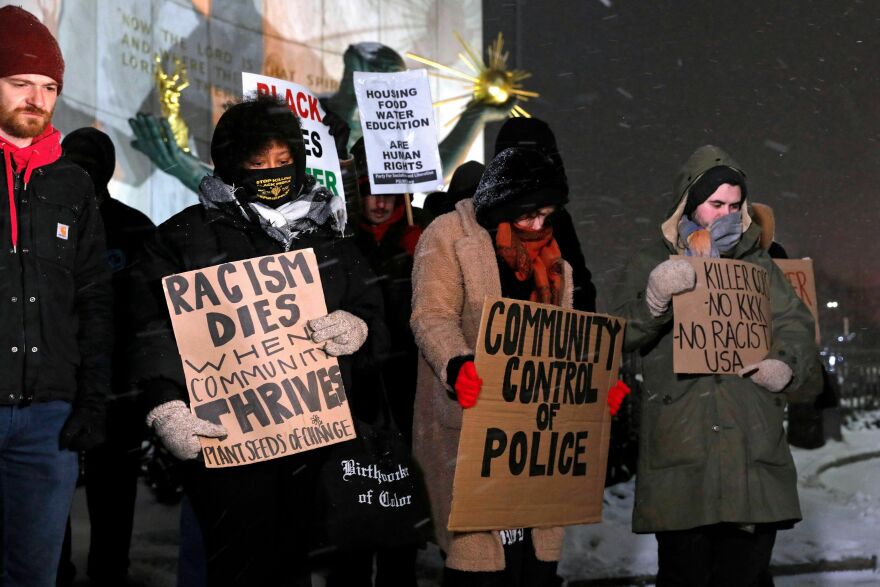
(840, 504)
(840, 501)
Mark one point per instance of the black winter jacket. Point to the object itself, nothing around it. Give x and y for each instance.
(201, 237)
(55, 293)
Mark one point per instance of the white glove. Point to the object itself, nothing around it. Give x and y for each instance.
(771, 374)
(343, 331)
(667, 279)
(179, 429)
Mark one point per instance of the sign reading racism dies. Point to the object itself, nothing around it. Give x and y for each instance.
(724, 323)
(249, 363)
(533, 451)
(321, 158)
(400, 137)
(799, 273)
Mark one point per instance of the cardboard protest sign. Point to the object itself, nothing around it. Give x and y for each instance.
(799, 273)
(248, 361)
(723, 324)
(322, 160)
(533, 451)
(400, 136)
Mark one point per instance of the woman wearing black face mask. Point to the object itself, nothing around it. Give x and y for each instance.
(258, 202)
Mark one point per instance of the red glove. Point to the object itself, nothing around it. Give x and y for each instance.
(616, 395)
(468, 385)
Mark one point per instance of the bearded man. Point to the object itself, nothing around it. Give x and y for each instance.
(55, 308)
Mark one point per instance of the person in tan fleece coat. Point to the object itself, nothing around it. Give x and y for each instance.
(499, 243)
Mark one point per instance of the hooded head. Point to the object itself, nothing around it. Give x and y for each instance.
(529, 133)
(247, 129)
(92, 150)
(370, 57)
(27, 46)
(463, 184)
(707, 169)
(516, 182)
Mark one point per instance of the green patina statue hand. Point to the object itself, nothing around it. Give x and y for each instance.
(155, 139)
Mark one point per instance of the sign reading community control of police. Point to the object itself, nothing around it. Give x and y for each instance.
(249, 363)
(724, 323)
(322, 160)
(533, 451)
(400, 136)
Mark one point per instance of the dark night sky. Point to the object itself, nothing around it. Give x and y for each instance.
(790, 88)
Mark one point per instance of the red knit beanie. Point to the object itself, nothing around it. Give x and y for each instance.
(27, 46)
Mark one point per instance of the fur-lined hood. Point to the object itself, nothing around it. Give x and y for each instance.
(763, 216)
(701, 161)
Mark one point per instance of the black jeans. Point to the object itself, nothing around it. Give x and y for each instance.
(721, 555)
(255, 519)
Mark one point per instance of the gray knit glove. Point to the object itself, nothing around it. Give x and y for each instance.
(667, 279)
(771, 374)
(343, 331)
(179, 429)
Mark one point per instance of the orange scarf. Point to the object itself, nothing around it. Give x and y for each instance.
(533, 254)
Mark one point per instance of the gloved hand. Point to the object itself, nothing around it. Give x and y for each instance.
(84, 430)
(343, 331)
(771, 374)
(667, 279)
(462, 374)
(616, 395)
(179, 429)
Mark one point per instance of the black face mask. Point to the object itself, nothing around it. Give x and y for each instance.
(272, 187)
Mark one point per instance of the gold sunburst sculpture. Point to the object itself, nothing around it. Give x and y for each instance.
(493, 83)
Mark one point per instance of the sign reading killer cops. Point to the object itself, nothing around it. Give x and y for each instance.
(321, 158)
(400, 136)
(723, 324)
(249, 363)
(533, 451)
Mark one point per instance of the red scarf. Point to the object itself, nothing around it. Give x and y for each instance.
(44, 149)
(408, 240)
(533, 253)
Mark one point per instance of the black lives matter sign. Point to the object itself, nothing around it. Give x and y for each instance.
(533, 450)
(724, 323)
(249, 362)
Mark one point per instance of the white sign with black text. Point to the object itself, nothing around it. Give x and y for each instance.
(400, 135)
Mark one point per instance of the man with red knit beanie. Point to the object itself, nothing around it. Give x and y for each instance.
(55, 308)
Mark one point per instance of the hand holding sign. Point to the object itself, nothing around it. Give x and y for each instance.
(667, 279)
(179, 429)
(343, 331)
(771, 374)
(468, 385)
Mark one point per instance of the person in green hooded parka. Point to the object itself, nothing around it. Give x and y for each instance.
(716, 479)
